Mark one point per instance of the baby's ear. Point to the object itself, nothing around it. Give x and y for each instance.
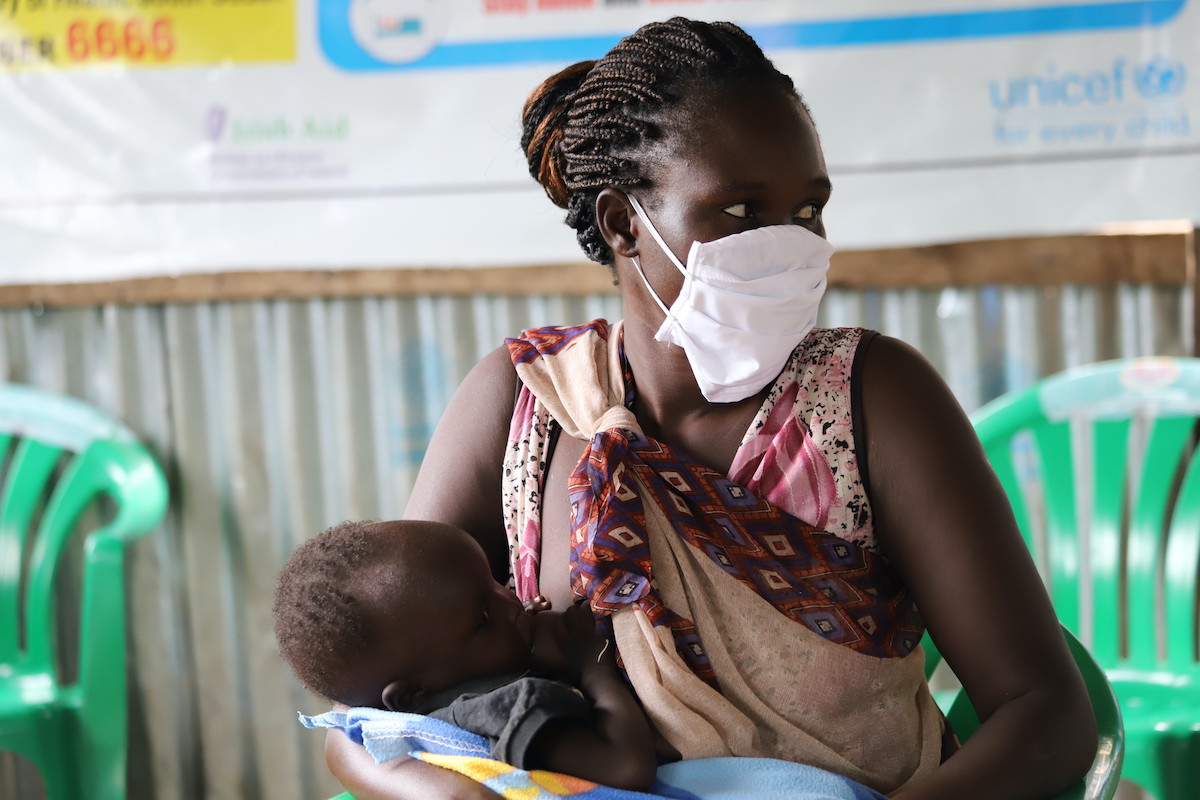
(402, 696)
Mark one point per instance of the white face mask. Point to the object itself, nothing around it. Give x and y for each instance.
(747, 300)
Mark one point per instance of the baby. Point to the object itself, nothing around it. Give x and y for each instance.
(406, 616)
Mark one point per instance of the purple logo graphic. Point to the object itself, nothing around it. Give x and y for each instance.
(214, 123)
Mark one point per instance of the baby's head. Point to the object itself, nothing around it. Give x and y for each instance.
(384, 613)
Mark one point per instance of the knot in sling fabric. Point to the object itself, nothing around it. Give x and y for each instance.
(743, 630)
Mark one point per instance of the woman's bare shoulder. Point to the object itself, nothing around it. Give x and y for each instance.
(460, 478)
(928, 477)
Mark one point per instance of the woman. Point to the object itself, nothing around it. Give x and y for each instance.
(685, 133)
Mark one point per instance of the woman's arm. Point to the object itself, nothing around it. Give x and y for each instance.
(461, 475)
(943, 520)
(400, 779)
(459, 484)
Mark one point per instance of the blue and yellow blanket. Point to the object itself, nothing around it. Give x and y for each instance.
(389, 734)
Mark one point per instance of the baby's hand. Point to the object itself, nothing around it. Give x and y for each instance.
(549, 651)
(537, 605)
(565, 642)
(585, 647)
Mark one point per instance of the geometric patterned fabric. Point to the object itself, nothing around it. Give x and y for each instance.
(834, 587)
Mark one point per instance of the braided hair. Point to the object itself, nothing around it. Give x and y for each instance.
(584, 128)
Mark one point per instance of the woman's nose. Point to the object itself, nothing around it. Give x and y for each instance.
(779, 216)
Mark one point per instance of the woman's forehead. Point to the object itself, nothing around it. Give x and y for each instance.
(733, 137)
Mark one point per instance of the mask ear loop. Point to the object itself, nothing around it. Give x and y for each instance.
(637, 207)
(649, 288)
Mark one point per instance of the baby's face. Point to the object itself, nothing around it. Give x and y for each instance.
(468, 625)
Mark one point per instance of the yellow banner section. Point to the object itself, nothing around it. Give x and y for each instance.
(95, 34)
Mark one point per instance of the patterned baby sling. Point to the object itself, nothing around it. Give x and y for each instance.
(743, 630)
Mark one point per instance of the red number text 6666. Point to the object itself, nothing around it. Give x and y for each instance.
(134, 39)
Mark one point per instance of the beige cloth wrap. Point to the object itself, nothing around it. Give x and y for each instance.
(786, 692)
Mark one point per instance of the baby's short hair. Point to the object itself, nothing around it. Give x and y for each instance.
(322, 619)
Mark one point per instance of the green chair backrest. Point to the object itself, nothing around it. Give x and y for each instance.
(57, 456)
(1100, 466)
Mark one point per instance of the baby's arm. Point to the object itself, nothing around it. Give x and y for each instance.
(617, 749)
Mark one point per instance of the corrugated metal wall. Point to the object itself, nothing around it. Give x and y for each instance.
(275, 419)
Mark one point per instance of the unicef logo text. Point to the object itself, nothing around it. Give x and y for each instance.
(1155, 79)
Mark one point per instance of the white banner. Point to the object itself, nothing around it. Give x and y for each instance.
(158, 137)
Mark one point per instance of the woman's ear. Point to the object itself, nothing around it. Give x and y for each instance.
(615, 216)
(401, 695)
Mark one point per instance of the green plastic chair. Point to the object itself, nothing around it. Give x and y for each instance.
(1102, 778)
(57, 455)
(1100, 466)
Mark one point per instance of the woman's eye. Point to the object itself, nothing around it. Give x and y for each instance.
(808, 212)
(739, 210)
(483, 620)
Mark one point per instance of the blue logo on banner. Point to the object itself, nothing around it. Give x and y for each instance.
(1127, 100)
(1156, 78)
(403, 34)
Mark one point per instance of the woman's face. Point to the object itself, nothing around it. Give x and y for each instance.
(737, 159)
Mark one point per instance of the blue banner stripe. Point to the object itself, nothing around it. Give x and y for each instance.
(968, 25)
(341, 48)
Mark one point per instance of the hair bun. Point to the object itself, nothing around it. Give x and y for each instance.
(543, 122)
